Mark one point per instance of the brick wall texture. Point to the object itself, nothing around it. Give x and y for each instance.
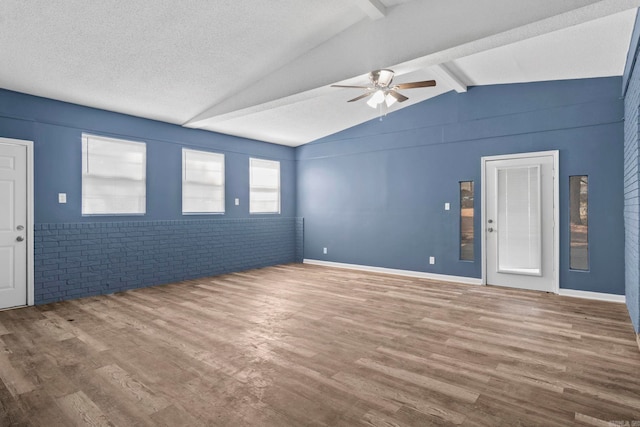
(631, 200)
(84, 259)
(299, 240)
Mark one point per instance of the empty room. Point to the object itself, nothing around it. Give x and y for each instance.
(383, 213)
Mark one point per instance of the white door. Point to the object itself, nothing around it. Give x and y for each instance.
(520, 239)
(13, 225)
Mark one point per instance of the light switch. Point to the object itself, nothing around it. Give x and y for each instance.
(237, 202)
(62, 197)
(447, 206)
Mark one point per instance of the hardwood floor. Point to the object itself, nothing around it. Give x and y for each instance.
(302, 345)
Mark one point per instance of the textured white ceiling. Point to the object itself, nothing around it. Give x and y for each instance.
(262, 68)
(162, 59)
(592, 49)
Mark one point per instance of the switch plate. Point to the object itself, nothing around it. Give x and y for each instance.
(447, 206)
(324, 251)
(237, 202)
(432, 260)
(62, 197)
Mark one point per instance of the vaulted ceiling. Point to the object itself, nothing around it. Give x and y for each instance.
(262, 69)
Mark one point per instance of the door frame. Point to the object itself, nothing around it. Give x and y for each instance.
(29, 224)
(556, 209)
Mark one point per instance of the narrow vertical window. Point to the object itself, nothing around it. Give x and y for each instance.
(202, 182)
(466, 220)
(264, 191)
(579, 222)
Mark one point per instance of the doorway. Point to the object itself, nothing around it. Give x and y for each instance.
(520, 216)
(16, 223)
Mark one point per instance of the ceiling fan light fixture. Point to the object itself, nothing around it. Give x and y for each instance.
(380, 91)
(376, 99)
(389, 100)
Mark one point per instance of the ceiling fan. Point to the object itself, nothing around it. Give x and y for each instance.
(382, 91)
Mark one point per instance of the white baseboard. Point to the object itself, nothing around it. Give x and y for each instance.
(458, 279)
(592, 295)
(408, 273)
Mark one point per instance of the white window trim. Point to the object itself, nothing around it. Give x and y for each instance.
(85, 138)
(278, 212)
(184, 180)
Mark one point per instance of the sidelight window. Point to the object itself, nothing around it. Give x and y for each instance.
(466, 221)
(579, 222)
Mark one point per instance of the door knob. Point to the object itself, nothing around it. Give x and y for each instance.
(490, 229)
(20, 238)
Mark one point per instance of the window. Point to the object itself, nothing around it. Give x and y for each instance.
(264, 186)
(202, 182)
(579, 222)
(466, 220)
(113, 176)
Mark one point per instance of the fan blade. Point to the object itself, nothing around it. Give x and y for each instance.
(398, 96)
(354, 87)
(358, 98)
(426, 83)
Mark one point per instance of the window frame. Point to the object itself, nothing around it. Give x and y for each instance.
(85, 153)
(184, 180)
(573, 236)
(251, 187)
(473, 231)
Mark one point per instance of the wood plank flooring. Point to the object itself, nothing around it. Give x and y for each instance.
(302, 345)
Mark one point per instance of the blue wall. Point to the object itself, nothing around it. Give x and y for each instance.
(374, 194)
(56, 129)
(631, 92)
(75, 255)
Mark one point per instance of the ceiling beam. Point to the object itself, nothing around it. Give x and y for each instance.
(373, 8)
(414, 45)
(448, 78)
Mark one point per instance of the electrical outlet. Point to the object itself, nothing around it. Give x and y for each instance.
(447, 206)
(62, 197)
(237, 202)
(432, 260)
(324, 251)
